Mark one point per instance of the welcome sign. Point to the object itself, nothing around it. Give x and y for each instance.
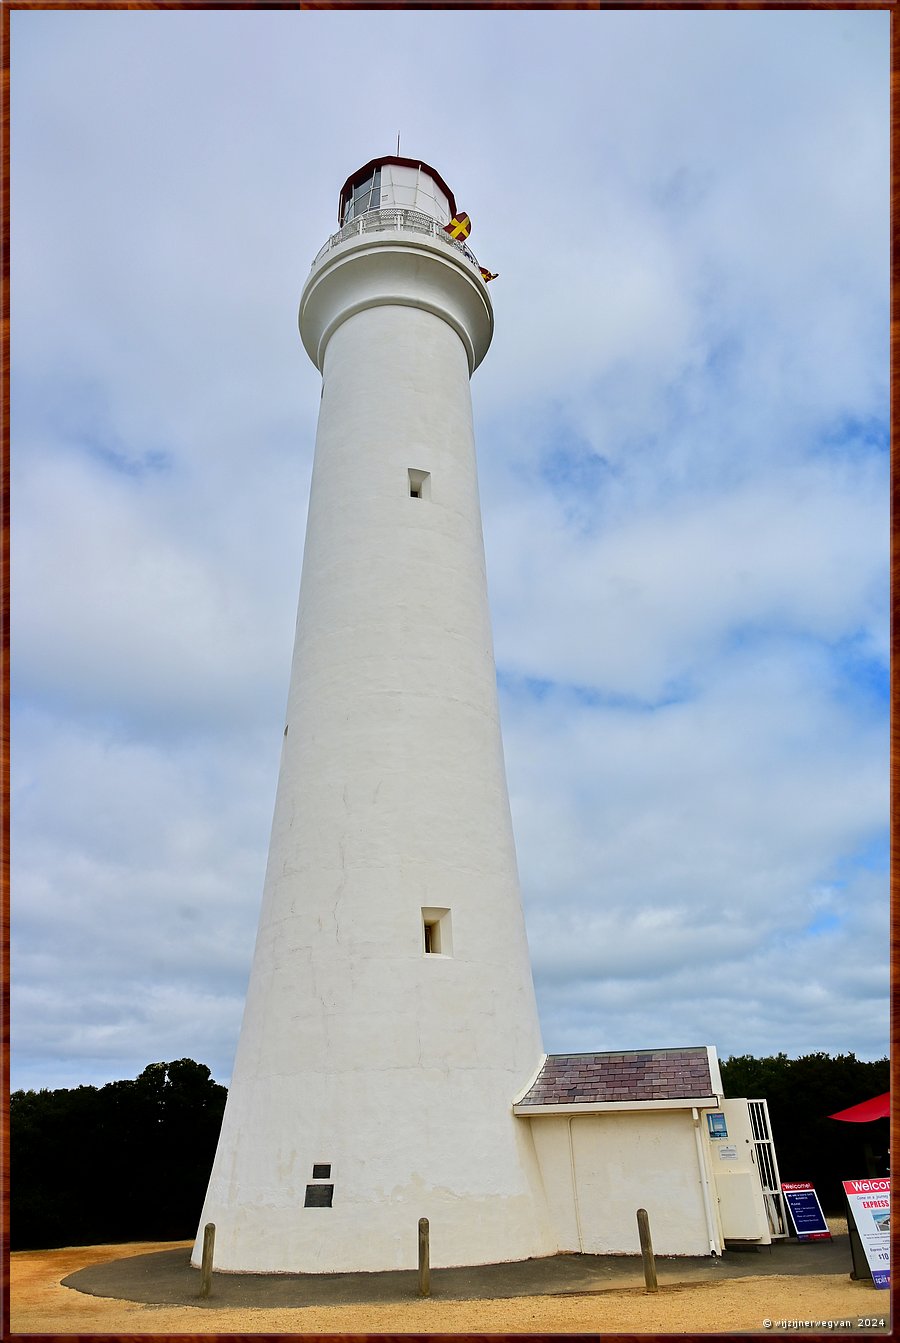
(870, 1204)
(806, 1210)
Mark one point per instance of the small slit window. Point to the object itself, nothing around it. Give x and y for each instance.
(419, 484)
(321, 1171)
(437, 937)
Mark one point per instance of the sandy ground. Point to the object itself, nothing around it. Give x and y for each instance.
(39, 1304)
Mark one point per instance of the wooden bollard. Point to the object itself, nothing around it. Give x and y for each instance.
(424, 1264)
(643, 1221)
(206, 1263)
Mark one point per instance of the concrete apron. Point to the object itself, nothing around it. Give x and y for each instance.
(166, 1277)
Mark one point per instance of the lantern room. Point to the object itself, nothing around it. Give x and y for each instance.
(393, 183)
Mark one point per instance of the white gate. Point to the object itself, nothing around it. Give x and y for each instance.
(767, 1165)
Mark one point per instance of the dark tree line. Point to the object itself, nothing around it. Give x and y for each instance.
(801, 1094)
(125, 1161)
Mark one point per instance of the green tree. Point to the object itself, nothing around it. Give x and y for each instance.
(801, 1094)
(127, 1161)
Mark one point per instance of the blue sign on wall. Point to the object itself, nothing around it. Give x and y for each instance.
(715, 1122)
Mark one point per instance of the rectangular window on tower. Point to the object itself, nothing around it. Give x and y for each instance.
(419, 484)
(319, 1196)
(436, 932)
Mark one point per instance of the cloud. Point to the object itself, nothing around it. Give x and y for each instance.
(137, 872)
(685, 850)
(125, 607)
(639, 602)
(682, 429)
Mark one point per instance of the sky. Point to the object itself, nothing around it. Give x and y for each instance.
(681, 429)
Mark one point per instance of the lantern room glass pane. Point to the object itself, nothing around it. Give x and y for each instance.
(366, 196)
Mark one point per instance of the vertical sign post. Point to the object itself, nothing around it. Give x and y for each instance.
(206, 1265)
(424, 1259)
(643, 1221)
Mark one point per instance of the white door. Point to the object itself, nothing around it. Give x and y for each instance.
(742, 1207)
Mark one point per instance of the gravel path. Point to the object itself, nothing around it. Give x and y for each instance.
(40, 1304)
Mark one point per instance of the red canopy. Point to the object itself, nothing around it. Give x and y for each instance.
(879, 1107)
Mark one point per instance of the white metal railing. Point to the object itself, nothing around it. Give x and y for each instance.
(767, 1164)
(382, 221)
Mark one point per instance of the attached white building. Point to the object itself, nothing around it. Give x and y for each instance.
(618, 1131)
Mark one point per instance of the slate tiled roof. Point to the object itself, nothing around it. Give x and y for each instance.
(629, 1075)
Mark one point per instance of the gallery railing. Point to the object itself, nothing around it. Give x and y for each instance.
(382, 221)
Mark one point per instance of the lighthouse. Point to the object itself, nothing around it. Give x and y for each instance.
(390, 1023)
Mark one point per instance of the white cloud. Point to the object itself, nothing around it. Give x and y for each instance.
(650, 597)
(136, 876)
(681, 430)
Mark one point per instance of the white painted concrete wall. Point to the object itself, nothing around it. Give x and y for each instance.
(357, 1049)
(600, 1169)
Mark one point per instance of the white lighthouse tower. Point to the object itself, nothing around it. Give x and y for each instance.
(390, 1020)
